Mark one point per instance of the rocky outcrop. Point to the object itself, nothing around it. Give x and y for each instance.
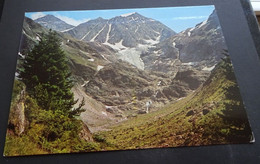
(17, 121)
(85, 133)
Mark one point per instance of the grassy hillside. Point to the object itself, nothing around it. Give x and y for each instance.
(208, 116)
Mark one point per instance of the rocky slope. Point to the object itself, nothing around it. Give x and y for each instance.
(130, 35)
(200, 47)
(127, 30)
(207, 116)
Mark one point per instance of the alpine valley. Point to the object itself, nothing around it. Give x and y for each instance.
(145, 85)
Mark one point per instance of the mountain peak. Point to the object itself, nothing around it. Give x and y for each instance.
(48, 17)
(128, 14)
(52, 22)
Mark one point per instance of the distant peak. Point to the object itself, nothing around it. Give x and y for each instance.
(99, 19)
(128, 14)
(48, 17)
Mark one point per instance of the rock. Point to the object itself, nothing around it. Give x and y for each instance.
(191, 112)
(132, 116)
(85, 133)
(141, 112)
(205, 111)
(110, 110)
(146, 93)
(159, 94)
(119, 115)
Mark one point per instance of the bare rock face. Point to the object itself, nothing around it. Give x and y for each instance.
(17, 121)
(198, 47)
(193, 78)
(85, 133)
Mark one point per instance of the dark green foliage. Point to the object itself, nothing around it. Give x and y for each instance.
(52, 126)
(47, 132)
(234, 114)
(46, 75)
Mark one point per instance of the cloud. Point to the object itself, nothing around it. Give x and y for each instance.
(71, 21)
(191, 17)
(37, 15)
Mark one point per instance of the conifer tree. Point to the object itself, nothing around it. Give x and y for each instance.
(46, 75)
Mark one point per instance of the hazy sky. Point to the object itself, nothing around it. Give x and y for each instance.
(177, 18)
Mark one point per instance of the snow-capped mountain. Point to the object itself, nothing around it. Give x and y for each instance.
(129, 34)
(200, 46)
(54, 23)
(149, 44)
(127, 30)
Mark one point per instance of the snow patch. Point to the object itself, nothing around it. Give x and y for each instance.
(203, 23)
(189, 63)
(137, 28)
(104, 57)
(41, 22)
(151, 41)
(192, 29)
(208, 68)
(156, 32)
(159, 83)
(99, 67)
(180, 98)
(132, 55)
(107, 37)
(85, 36)
(104, 113)
(189, 33)
(93, 39)
(27, 35)
(174, 44)
(67, 29)
(91, 60)
(85, 83)
(84, 52)
(127, 14)
(109, 107)
(117, 46)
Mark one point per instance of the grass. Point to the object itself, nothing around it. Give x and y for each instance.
(199, 119)
(15, 146)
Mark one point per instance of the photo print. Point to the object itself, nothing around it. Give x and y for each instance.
(103, 80)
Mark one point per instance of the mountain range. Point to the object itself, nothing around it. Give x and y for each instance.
(120, 64)
(149, 44)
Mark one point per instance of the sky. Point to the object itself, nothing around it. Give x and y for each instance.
(176, 18)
